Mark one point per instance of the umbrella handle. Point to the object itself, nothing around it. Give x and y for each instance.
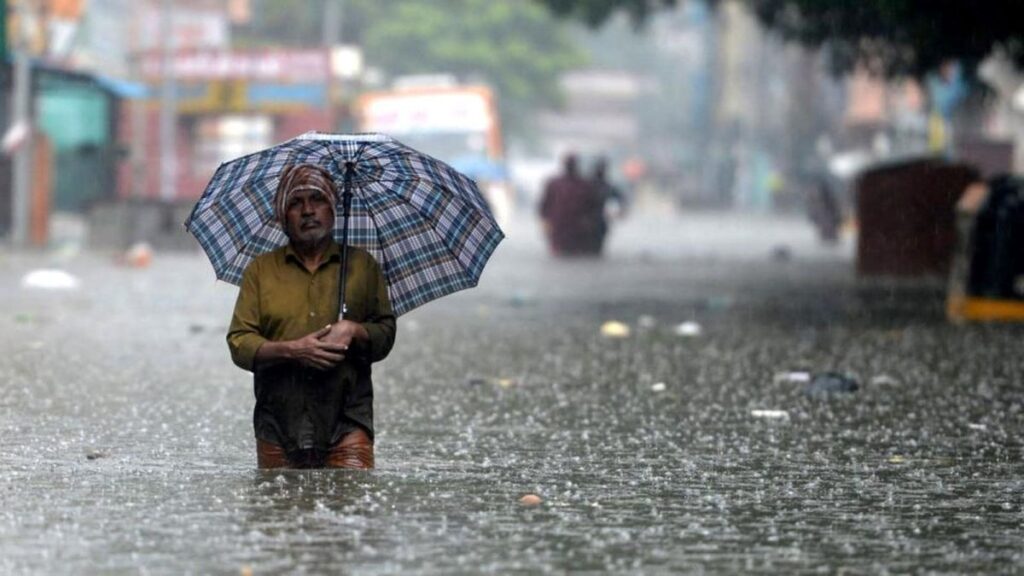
(346, 203)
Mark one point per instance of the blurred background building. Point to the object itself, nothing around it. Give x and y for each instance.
(132, 105)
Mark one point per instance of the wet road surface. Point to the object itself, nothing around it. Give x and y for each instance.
(126, 442)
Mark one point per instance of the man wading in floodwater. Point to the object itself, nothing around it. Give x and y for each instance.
(314, 395)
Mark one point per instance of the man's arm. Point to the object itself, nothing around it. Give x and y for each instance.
(375, 337)
(244, 337)
(381, 325)
(250, 348)
(310, 351)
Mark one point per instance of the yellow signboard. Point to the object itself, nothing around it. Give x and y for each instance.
(219, 96)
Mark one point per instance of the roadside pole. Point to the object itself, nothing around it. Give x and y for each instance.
(331, 35)
(22, 119)
(139, 108)
(331, 30)
(168, 106)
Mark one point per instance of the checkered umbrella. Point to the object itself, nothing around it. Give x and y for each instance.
(426, 224)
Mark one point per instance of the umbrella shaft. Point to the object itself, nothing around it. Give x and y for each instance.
(346, 205)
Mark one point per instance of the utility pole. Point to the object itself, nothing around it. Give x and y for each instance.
(331, 37)
(332, 23)
(139, 107)
(3, 30)
(168, 105)
(22, 119)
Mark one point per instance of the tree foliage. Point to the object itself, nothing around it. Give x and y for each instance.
(516, 47)
(595, 12)
(891, 37)
(900, 37)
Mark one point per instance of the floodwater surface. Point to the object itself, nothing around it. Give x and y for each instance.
(126, 442)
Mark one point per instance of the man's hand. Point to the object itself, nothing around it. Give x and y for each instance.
(314, 351)
(345, 333)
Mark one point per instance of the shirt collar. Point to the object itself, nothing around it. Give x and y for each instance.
(333, 253)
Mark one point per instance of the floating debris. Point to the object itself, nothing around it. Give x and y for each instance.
(689, 329)
(49, 280)
(884, 380)
(658, 387)
(613, 329)
(979, 427)
(95, 455)
(827, 384)
(530, 500)
(481, 381)
(140, 255)
(792, 378)
(770, 414)
(897, 459)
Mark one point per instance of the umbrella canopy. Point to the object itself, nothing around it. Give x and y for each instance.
(426, 224)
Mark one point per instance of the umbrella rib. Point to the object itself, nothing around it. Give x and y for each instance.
(429, 223)
(380, 239)
(433, 231)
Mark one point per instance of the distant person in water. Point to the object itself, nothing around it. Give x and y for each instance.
(610, 195)
(572, 213)
(824, 211)
(314, 394)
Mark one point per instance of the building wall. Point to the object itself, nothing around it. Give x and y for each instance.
(192, 179)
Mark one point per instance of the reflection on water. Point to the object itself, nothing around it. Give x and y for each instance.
(126, 433)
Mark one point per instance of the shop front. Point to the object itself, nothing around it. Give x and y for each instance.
(228, 104)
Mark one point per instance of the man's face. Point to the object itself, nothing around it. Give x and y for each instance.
(308, 216)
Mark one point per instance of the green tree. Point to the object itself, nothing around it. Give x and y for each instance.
(516, 47)
(900, 37)
(595, 12)
(282, 23)
(891, 37)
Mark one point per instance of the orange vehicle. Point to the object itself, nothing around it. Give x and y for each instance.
(454, 123)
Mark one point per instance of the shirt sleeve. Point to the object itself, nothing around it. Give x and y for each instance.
(380, 323)
(244, 336)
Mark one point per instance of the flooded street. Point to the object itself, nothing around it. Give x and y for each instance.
(688, 445)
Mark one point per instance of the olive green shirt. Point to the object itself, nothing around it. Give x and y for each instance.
(279, 299)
